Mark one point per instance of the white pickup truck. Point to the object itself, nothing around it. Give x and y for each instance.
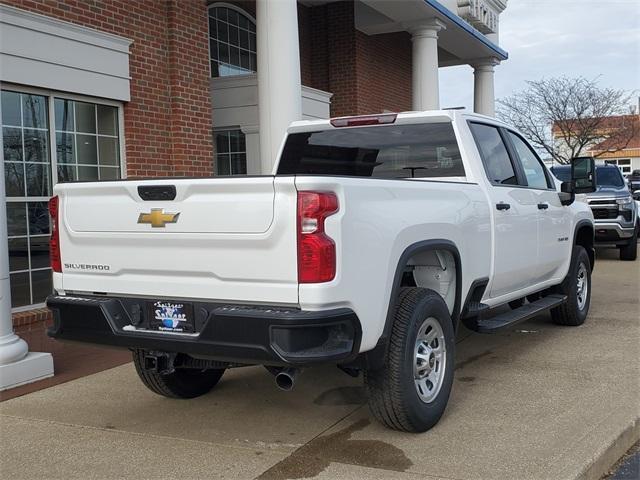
(372, 240)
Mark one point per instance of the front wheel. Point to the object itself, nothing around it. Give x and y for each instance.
(411, 391)
(630, 250)
(577, 287)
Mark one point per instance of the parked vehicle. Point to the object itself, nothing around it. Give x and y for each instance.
(373, 239)
(633, 180)
(636, 198)
(614, 209)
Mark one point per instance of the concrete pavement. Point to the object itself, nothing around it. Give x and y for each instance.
(536, 402)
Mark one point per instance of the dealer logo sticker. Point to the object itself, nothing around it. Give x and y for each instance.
(169, 315)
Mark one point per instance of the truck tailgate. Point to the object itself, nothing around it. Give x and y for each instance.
(230, 239)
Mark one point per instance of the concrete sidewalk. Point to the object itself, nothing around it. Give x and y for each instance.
(537, 402)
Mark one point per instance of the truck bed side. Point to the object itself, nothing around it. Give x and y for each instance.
(377, 221)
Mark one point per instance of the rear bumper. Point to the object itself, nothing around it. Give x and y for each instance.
(228, 333)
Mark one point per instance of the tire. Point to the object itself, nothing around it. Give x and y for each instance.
(182, 383)
(630, 251)
(574, 311)
(394, 397)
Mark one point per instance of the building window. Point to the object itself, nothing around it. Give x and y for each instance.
(624, 164)
(46, 140)
(86, 141)
(232, 42)
(231, 152)
(27, 164)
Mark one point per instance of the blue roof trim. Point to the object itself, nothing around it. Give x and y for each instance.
(500, 53)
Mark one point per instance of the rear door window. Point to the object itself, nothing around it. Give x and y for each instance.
(494, 153)
(390, 151)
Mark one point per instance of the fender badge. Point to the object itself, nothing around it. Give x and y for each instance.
(157, 218)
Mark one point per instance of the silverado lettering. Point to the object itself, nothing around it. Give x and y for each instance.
(86, 266)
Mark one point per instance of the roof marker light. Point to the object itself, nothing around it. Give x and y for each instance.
(381, 119)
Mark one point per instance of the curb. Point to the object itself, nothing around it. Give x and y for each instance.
(608, 457)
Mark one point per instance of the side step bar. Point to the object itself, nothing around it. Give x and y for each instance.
(508, 319)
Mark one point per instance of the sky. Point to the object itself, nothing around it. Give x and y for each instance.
(550, 38)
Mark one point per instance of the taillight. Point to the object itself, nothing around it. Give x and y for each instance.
(54, 242)
(316, 251)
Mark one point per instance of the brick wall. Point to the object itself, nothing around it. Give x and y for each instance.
(168, 120)
(305, 32)
(383, 72)
(366, 74)
(189, 87)
(341, 58)
(30, 320)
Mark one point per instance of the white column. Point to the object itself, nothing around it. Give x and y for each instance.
(483, 91)
(17, 366)
(252, 145)
(426, 95)
(279, 85)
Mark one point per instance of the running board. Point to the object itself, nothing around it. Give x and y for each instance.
(507, 319)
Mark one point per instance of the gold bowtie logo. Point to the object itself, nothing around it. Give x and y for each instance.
(157, 217)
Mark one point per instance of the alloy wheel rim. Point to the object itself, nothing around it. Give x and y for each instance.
(430, 360)
(582, 290)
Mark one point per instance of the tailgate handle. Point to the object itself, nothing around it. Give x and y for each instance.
(157, 192)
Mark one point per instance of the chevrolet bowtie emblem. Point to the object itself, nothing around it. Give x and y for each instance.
(157, 217)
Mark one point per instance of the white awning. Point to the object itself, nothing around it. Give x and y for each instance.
(41, 51)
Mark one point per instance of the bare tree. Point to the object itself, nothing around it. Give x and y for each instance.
(564, 117)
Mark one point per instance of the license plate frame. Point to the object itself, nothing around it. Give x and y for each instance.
(171, 316)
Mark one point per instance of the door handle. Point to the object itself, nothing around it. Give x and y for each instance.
(543, 206)
(503, 206)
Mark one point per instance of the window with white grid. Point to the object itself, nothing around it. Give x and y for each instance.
(231, 152)
(48, 139)
(232, 42)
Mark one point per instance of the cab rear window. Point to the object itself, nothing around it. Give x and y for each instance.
(389, 151)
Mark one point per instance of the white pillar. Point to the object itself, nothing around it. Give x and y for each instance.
(279, 85)
(17, 366)
(426, 95)
(483, 91)
(252, 146)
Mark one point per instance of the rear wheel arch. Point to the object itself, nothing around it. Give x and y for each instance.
(413, 255)
(374, 359)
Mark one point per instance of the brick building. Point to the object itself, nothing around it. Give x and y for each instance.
(106, 89)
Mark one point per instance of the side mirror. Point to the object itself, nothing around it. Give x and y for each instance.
(567, 197)
(636, 195)
(583, 176)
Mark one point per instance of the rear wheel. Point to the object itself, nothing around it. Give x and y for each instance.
(182, 383)
(411, 391)
(630, 250)
(577, 287)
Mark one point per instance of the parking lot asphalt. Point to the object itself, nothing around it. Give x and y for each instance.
(538, 401)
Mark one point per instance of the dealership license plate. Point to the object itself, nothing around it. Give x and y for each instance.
(171, 316)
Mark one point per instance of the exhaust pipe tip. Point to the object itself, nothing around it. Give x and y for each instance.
(286, 378)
